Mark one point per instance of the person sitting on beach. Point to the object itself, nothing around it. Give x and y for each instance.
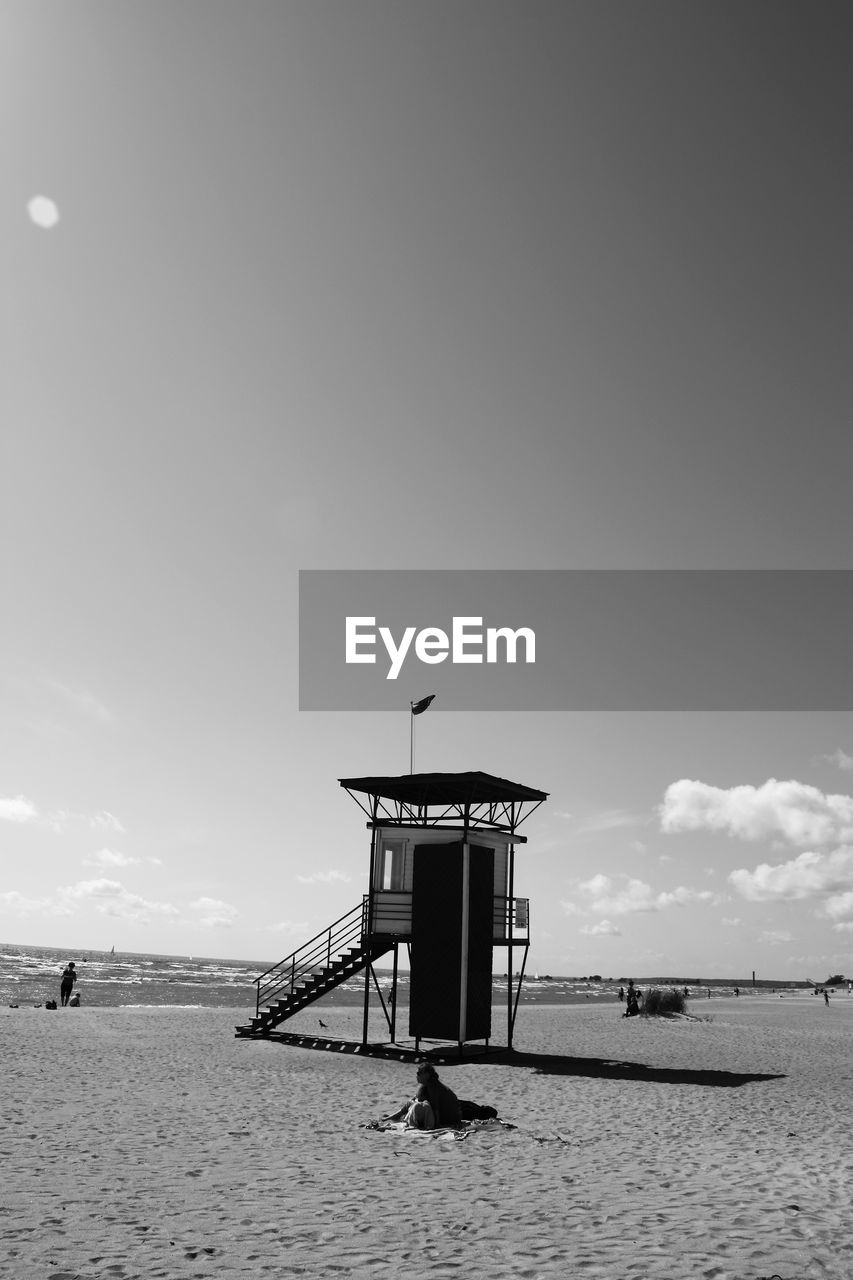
(69, 977)
(420, 1114)
(74, 1002)
(442, 1101)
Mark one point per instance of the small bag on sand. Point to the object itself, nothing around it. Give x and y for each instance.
(473, 1111)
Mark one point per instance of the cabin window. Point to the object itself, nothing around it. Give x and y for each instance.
(393, 865)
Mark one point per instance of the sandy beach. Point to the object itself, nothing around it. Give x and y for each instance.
(142, 1142)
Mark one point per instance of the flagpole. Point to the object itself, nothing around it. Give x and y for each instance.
(415, 709)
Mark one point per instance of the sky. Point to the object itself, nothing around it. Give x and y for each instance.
(384, 285)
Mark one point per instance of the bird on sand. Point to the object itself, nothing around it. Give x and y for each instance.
(322, 1024)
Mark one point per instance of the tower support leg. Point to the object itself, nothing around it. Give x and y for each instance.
(394, 998)
(366, 1005)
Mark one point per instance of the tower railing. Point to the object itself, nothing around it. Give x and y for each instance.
(316, 954)
(511, 920)
(510, 924)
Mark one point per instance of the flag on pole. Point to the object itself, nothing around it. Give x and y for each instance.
(418, 707)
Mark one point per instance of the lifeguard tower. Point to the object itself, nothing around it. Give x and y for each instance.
(442, 885)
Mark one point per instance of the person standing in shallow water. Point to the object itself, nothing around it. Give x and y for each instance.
(66, 986)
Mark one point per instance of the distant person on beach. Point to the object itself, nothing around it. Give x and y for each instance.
(442, 1103)
(74, 1002)
(632, 1006)
(826, 997)
(66, 986)
(621, 993)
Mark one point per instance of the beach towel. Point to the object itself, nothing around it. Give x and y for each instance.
(466, 1130)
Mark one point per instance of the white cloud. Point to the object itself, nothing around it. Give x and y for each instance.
(20, 809)
(81, 701)
(113, 858)
(110, 858)
(730, 922)
(324, 877)
(599, 884)
(681, 896)
(570, 908)
(43, 212)
(214, 914)
(612, 820)
(17, 809)
(775, 937)
(800, 813)
(16, 904)
(608, 898)
(290, 926)
(839, 908)
(108, 820)
(840, 759)
(604, 929)
(809, 875)
(110, 898)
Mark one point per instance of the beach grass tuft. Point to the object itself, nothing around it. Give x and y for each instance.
(663, 1002)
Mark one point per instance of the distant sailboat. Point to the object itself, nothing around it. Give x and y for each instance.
(112, 950)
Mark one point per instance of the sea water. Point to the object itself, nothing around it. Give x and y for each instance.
(31, 975)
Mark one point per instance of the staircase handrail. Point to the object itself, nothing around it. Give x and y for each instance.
(312, 955)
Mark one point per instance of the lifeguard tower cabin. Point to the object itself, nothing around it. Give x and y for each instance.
(442, 885)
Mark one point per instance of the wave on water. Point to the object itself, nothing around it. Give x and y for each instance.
(31, 975)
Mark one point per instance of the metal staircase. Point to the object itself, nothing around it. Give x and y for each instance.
(330, 958)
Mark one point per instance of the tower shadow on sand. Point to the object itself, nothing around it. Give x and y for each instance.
(555, 1064)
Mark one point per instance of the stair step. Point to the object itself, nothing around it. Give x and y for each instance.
(312, 985)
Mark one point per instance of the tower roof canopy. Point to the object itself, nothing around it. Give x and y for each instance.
(424, 789)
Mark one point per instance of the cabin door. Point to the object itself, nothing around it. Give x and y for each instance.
(452, 908)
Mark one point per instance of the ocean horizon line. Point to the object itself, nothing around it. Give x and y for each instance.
(591, 979)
